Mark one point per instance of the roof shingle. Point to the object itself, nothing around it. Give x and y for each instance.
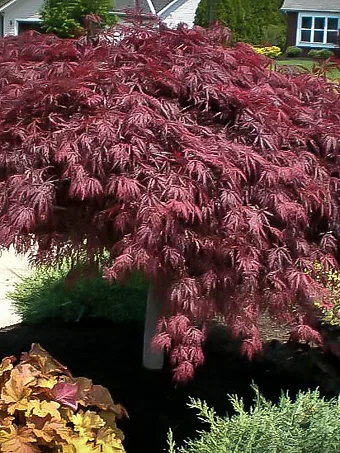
(120, 5)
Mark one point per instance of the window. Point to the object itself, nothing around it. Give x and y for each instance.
(317, 30)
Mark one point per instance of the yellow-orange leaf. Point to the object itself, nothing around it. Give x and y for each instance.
(79, 445)
(5, 420)
(60, 428)
(6, 364)
(108, 441)
(15, 439)
(18, 387)
(50, 429)
(47, 382)
(41, 432)
(85, 423)
(44, 361)
(43, 408)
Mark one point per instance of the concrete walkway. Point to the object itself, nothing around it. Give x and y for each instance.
(12, 269)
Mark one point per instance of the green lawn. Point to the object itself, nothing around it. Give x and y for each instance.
(308, 64)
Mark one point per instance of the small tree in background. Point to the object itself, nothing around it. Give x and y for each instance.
(252, 21)
(67, 18)
(187, 160)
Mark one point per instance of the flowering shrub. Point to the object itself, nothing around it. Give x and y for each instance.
(43, 408)
(329, 305)
(270, 51)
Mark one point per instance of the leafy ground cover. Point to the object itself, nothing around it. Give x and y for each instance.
(308, 64)
(110, 355)
(44, 408)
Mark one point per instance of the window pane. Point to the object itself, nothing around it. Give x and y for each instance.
(306, 35)
(332, 37)
(318, 36)
(332, 24)
(319, 23)
(306, 22)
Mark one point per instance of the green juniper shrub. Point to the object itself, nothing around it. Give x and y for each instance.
(293, 52)
(307, 424)
(44, 295)
(320, 54)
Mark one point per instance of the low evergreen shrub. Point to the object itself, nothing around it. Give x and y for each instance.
(293, 52)
(44, 295)
(320, 54)
(309, 424)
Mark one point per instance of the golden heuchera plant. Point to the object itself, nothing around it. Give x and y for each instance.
(43, 408)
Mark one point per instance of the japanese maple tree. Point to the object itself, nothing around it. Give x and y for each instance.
(186, 159)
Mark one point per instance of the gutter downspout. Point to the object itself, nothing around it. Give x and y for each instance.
(2, 24)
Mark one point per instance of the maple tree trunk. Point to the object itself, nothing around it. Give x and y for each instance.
(152, 359)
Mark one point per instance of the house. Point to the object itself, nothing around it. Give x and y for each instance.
(17, 16)
(312, 23)
(171, 12)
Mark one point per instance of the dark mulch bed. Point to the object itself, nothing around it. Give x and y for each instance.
(111, 355)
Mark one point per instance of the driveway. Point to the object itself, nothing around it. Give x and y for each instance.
(12, 269)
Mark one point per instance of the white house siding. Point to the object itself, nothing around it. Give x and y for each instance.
(20, 10)
(184, 12)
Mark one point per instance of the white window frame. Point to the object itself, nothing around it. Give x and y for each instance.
(27, 19)
(313, 15)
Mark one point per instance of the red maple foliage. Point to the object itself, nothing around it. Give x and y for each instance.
(186, 159)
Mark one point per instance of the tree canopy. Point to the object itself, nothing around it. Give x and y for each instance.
(252, 21)
(183, 158)
(67, 18)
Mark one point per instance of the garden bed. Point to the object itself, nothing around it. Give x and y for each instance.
(111, 355)
(308, 64)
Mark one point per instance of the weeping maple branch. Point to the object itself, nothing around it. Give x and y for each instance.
(186, 159)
